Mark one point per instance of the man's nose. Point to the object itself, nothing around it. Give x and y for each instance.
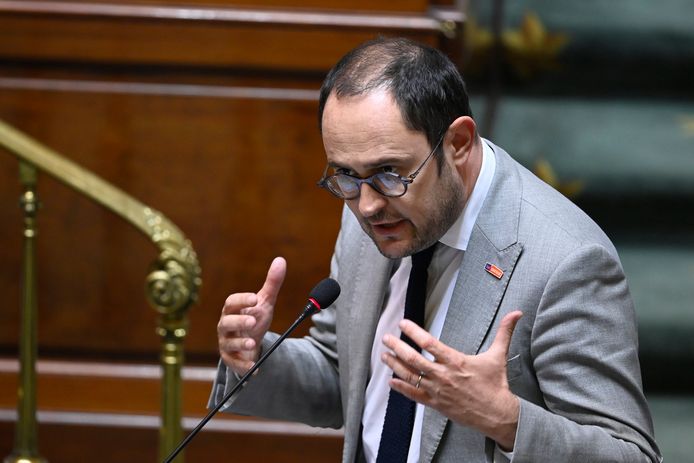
(371, 202)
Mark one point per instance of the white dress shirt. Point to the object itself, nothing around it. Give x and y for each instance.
(442, 275)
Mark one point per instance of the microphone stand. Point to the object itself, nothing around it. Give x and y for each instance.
(308, 310)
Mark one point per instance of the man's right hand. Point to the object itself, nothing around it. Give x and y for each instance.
(246, 318)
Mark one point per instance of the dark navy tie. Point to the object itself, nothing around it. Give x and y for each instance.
(397, 426)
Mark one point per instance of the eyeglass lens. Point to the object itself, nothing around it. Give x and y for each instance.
(386, 183)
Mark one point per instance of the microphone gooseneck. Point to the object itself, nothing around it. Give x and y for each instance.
(320, 297)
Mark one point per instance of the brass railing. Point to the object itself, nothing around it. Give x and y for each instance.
(172, 285)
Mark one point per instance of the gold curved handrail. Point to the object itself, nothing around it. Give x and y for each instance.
(172, 284)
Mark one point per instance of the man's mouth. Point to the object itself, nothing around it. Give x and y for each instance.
(387, 228)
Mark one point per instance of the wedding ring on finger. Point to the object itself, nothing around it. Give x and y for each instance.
(419, 380)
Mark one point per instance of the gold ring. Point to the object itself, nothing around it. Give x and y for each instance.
(419, 381)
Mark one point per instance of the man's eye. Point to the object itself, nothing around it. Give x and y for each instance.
(388, 169)
(343, 171)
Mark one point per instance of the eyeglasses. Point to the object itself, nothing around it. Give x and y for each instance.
(389, 184)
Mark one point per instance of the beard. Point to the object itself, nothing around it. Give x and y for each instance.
(445, 205)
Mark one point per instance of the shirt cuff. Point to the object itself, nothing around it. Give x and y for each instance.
(500, 456)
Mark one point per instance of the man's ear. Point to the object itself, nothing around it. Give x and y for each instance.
(461, 137)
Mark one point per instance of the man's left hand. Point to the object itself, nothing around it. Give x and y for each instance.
(471, 390)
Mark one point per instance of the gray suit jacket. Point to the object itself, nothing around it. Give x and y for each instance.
(573, 356)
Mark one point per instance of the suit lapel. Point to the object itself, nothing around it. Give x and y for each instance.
(478, 293)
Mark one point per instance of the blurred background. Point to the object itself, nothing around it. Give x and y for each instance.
(206, 111)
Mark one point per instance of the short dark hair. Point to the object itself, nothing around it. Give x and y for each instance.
(426, 85)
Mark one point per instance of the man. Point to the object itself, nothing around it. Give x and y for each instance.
(404, 153)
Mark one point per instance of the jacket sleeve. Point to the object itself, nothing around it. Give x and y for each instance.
(300, 380)
(584, 350)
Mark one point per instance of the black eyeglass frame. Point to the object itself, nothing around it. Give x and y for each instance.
(324, 181)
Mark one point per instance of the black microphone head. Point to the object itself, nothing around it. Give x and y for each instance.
(325, 293)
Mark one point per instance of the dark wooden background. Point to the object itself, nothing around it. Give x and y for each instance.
(205, 111)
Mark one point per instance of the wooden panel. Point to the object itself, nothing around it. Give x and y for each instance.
(144, 42)
(236, 174)
(86, 408)
(124, 388)
(263, 39)
(74, 442)
(84, 386)
(307, 5)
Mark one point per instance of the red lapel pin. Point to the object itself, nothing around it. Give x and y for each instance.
(494, 270)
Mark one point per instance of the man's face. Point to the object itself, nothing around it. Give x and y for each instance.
(365, 134)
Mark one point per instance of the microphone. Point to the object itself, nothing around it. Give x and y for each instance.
(320, 297)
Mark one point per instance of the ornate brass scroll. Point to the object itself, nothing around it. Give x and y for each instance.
(171, 286)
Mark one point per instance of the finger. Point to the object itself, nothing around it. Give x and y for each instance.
(409, 390)
(401, 369)
(441, 352)
(502, 341)
(231, 345)
(273, 281)
(236, 302)
(405, 379)
(405, 355)
(229, 325)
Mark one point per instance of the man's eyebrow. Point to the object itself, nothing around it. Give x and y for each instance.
(335, 165)
(388, 160)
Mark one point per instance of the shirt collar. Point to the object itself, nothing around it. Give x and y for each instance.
(458, 236)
